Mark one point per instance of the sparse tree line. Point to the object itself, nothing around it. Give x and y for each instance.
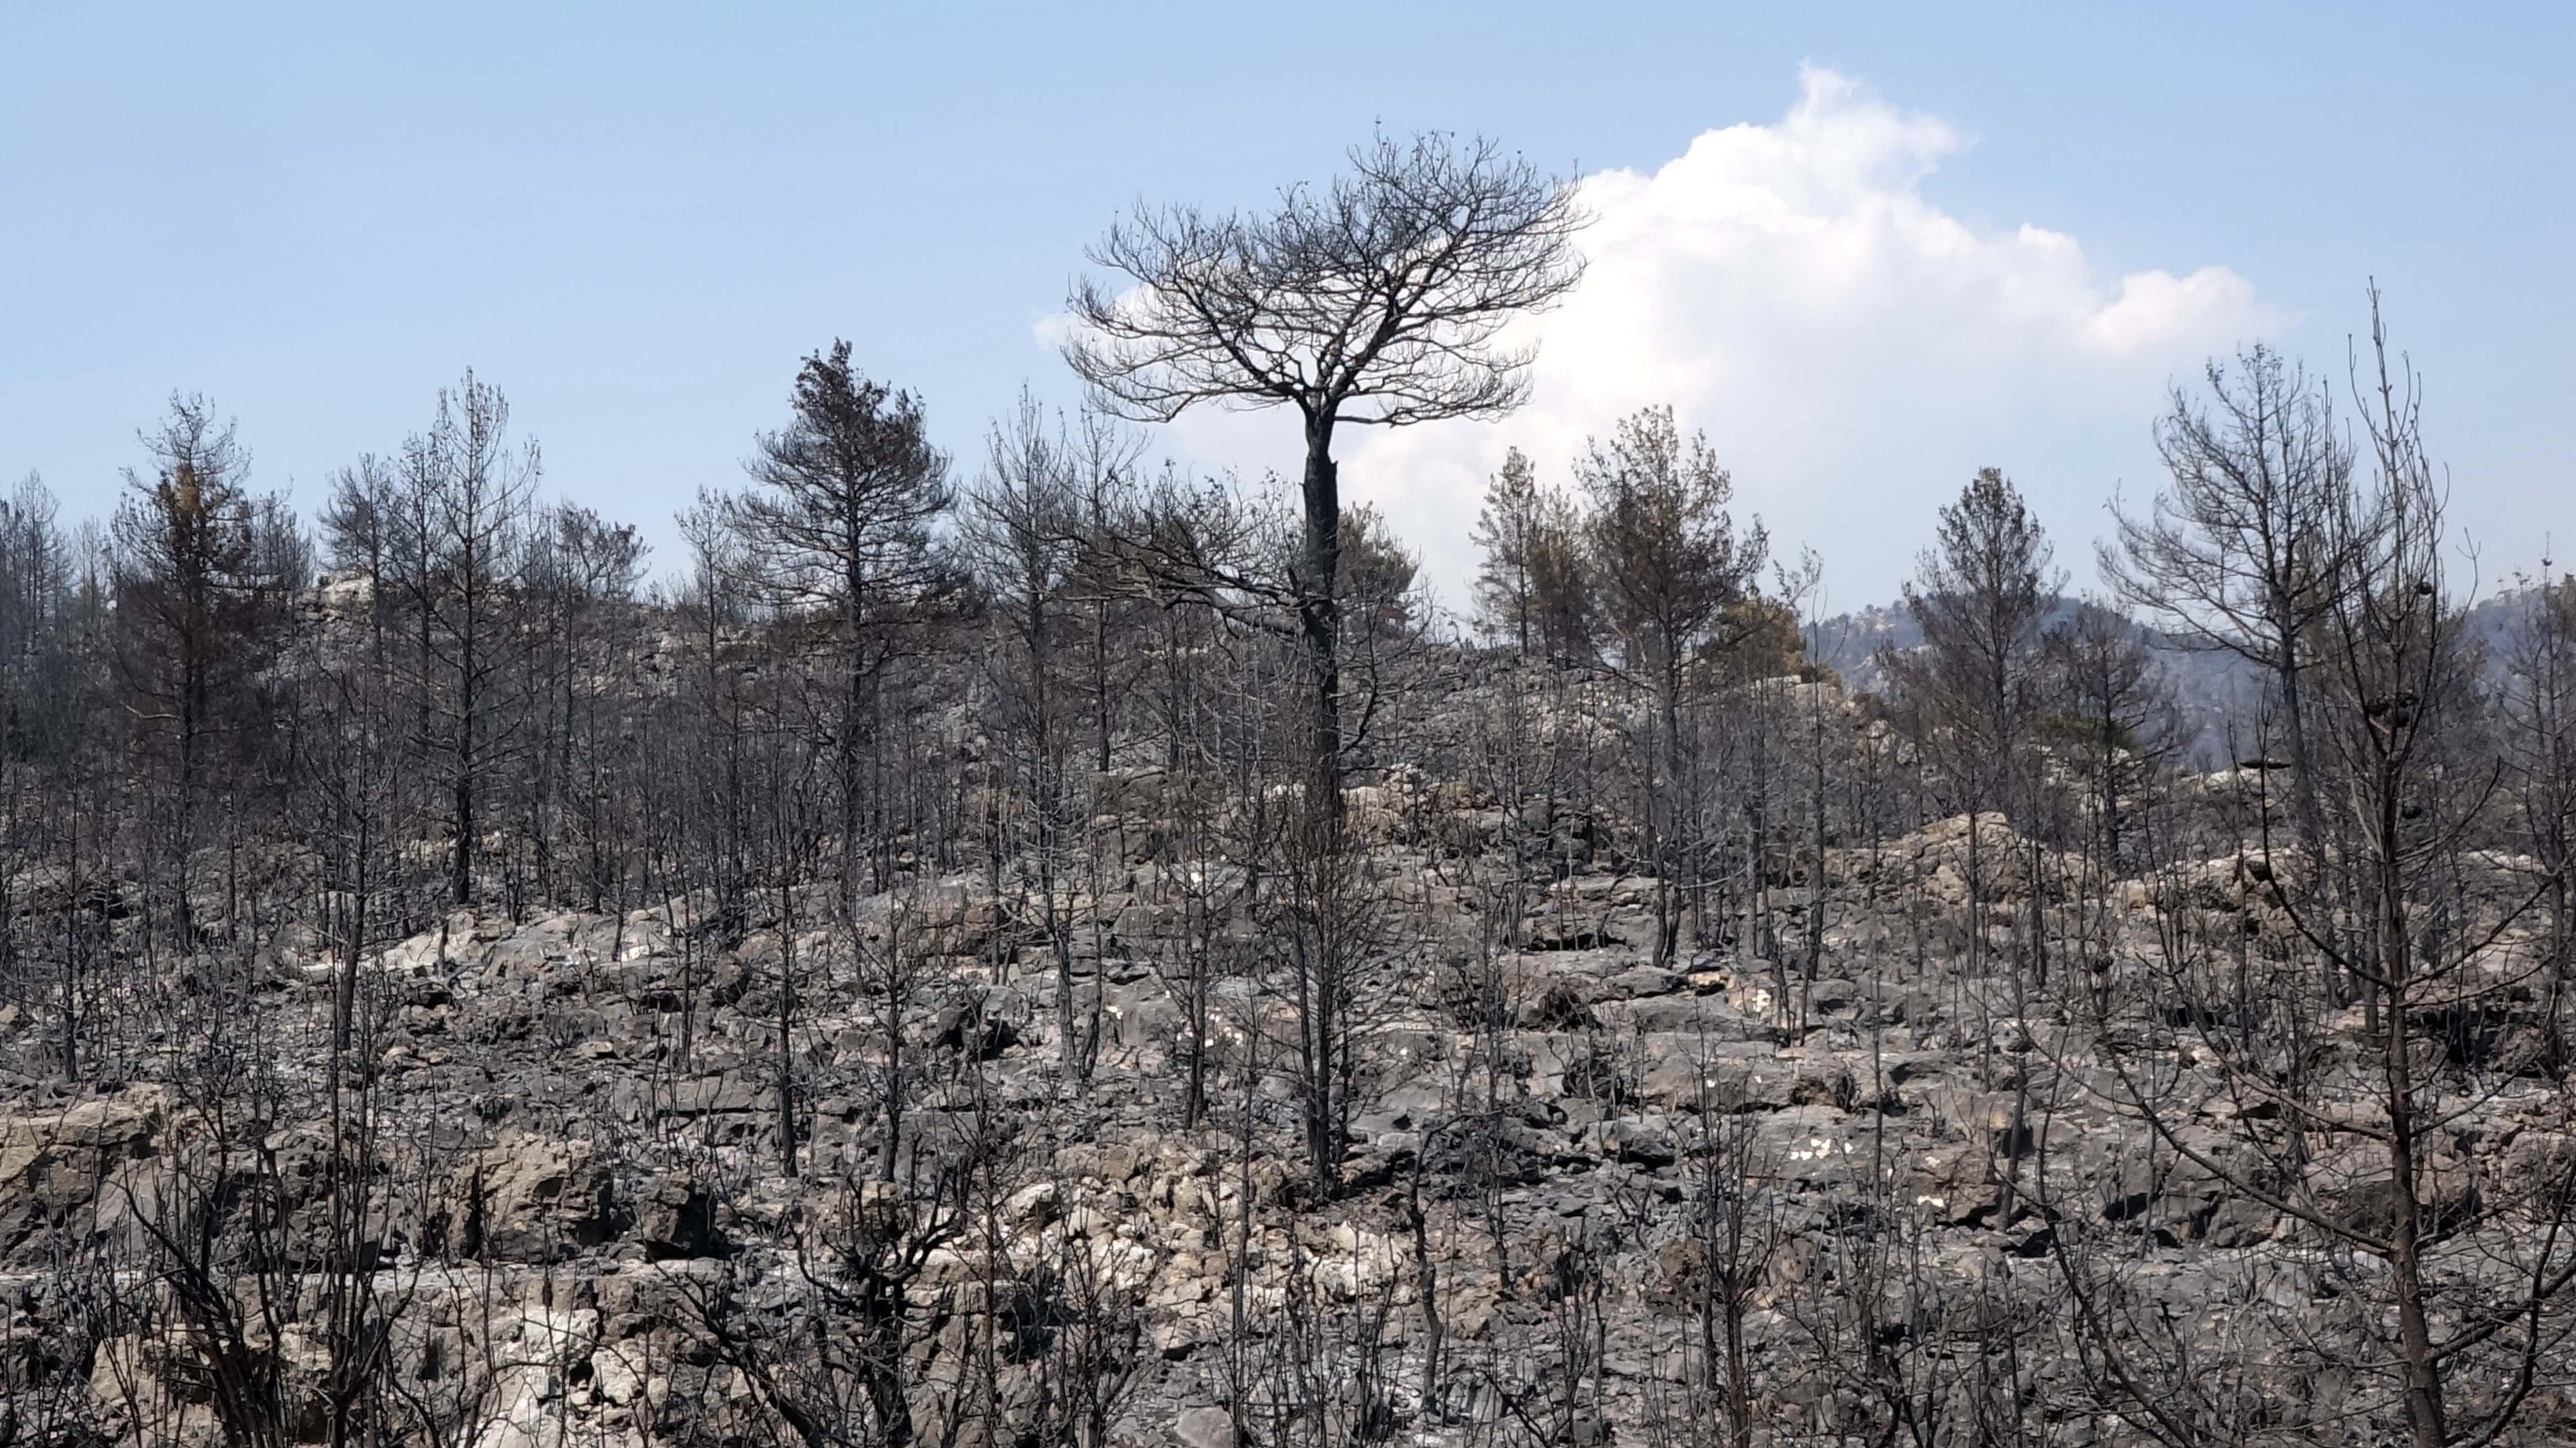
(881, 805)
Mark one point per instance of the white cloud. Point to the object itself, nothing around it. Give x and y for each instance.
(1853, 351)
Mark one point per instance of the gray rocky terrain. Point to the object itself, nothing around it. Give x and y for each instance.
(1937, 1136)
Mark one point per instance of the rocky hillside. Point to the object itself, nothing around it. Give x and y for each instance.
(1940, 1136)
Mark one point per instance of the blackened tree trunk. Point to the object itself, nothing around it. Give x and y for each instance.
(1319, 620)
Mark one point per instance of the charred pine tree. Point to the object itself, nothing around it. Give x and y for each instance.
(2354, 1135)
(460, 517)
(836, 538)
(1020, 524)
(186, 595)
(1377, 300)
(1671, 571)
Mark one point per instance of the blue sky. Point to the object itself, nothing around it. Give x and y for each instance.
(636, 218)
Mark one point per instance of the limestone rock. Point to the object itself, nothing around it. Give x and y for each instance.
(1204, 1428)
(531, 1199)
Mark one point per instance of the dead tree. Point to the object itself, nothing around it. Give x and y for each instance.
(838, 530)
(577, 584)
(461, 509)
(1332, 958)
(1672, 575)
(184, 591)
(826, 1315)
(2352, 1135)
(1734, 1226)
(1971, 691)
(1507, 532)
(41, 665)
(2242, 553)
(2114, 713)
(1377, 300)
(2539, 719)
(1021, 529)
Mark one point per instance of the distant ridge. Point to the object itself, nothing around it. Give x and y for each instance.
(2208, 684)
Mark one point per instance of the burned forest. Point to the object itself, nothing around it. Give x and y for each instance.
(1043, 947)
